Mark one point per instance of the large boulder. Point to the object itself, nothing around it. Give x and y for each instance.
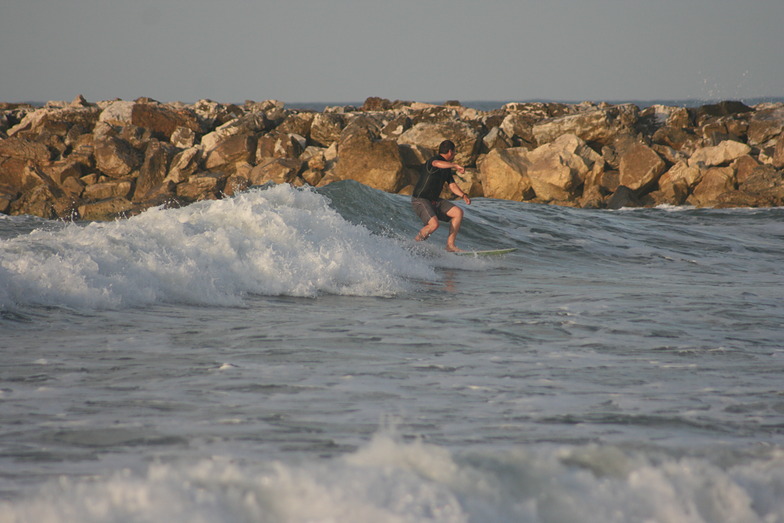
(430, 135)
(371, 161)
(778, 153)
(297, 123)
(157, 158)
(42, 196)
(680, 139)
(115, 157)
(278, 144)
(201, 186)
(213, 114)
(722, 154)
(23, 149)
(504, 174)
(591, 126)
(276, 170)
(676, 184)
(184, 164)
(326, 128)
(105, 209)
(160, 119)
(714, 182)
(106, 190)
(235, 148)
(765, 124)
(766, 184)
(518, 127)
(247, 125)
(559, 169)
(640, 167)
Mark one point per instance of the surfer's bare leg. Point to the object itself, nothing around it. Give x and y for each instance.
(456, 218)
(429, 228)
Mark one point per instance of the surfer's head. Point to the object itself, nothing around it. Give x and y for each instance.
(446, 146)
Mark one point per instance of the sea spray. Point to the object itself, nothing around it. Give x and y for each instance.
(388, 479)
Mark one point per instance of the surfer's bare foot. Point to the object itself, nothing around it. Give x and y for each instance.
(452, 248)
(420, 237)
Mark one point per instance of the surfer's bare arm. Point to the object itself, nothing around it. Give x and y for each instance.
(459, 193)
(443, 164)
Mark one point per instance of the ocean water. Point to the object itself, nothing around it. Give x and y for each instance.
(291, 355)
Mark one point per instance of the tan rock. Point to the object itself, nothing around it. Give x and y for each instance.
(277, 144)
(326, 128)
(504, 174)
(778, 153)
(204, 186)
(73, 187)
(396, 127)
(20, 148)
(154, 168)
(277, 170)
(765, 124)
(640, 167)
(722, 154)
(676, 184)
(41, 201)
(57, 121)
(430, 136)
(60, 170)
(591, 126)
(236, 183)
(495, 139)
(312, 176)
(766, 183)
(184, 164)
(744, 166)
(239, 147)
(518, 128)
(105, 190)
(297, 123)
(183, 137)
(715, 182)
(159, 119)
(414, 156)
(115, 157)
(375, 163)
(6, 198)
(559, 169)
(470, 182)
(105, 209)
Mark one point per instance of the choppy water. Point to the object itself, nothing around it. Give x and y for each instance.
(290, 355)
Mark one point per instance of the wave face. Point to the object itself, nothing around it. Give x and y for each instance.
(277, 241)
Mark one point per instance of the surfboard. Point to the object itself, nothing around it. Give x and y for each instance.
(492, 252)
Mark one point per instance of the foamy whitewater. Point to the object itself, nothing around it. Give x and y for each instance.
(290, 355)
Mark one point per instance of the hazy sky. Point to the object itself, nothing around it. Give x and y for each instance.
(422, 50)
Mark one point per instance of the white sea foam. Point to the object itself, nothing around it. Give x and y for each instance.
(392, 481)
(280, 241)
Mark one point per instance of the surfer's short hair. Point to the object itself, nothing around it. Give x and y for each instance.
(446, 146)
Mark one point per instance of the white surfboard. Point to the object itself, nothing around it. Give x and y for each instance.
(492, 252)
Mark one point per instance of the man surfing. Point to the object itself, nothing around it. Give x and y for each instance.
(426, 200)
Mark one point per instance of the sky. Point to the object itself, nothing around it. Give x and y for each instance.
(344, 51)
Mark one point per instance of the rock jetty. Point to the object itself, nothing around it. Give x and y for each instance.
(98, 161)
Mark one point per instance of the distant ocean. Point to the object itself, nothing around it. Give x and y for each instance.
(493, 105)
(291, 355)
(485, 105)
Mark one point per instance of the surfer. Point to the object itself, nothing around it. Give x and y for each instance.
(426, 199)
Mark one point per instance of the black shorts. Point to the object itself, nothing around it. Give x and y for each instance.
(426, 209)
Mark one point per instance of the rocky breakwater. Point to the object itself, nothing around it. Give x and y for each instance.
(109, 159)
